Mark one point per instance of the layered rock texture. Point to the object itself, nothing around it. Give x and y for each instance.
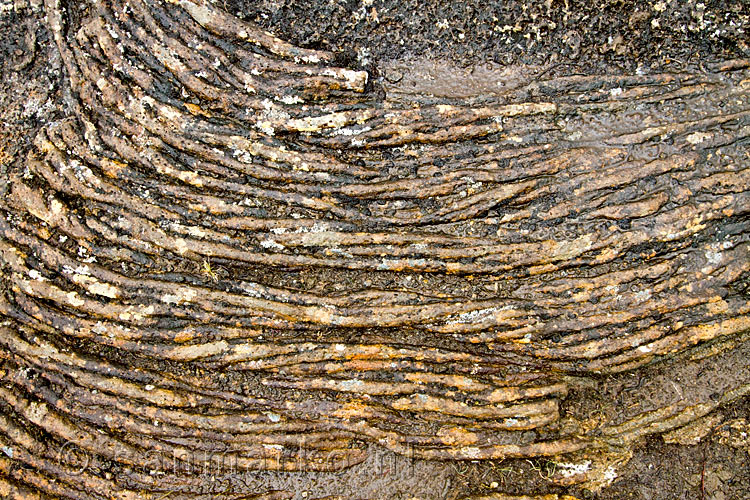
(230, 253)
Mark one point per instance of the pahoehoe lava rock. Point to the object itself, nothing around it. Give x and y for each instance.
(230, 253)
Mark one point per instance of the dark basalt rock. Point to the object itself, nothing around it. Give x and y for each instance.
(228, 253)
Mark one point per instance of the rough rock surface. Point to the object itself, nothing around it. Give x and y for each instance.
(238, 268)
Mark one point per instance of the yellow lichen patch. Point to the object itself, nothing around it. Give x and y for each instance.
(456, 436)
(192, 352)
(92, 285)
(190, 178)
(112, 167)
(197, 110)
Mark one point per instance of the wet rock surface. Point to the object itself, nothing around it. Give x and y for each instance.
(235, 267)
